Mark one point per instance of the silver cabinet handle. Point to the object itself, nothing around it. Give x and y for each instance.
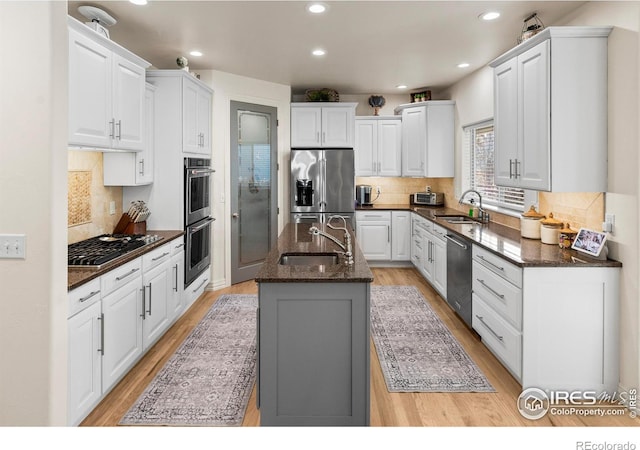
(141, 167)
(101, 319)
(160, 257)
(235, 215)
(122, 277)
(119, 136)
(516, 175)
(179, 245)
(206, 280)
(490, 289)
(112, 125)
(149, 310)
(388, 233)
(481, 319)
(175, 289)
(490, 263)
(458, 305)
(144, 305)
(91, 294)
(510, 168)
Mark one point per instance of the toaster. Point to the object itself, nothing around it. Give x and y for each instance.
(427, 198)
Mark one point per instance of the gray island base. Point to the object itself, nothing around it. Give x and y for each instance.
(313, 336)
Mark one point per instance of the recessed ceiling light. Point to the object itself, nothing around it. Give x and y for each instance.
(491, 15)
(316, 8)
(318, 52)
(195, 53)
(463, 65)
(401, 86)
(139, 2)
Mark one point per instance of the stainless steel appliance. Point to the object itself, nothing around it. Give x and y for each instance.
(363, 195)
(322, 184)
(197, 182)
(197, 220)
(93, 253)
(459, 252)
(427, 198)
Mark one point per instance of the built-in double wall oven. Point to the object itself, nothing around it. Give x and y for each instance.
(198, 220)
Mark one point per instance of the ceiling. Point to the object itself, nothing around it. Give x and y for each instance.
(372, 46)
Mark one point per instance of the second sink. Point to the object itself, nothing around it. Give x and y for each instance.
(308, 259)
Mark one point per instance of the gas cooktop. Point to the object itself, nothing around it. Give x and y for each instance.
(94, 252)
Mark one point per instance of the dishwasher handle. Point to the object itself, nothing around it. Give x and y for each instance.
(460, 244)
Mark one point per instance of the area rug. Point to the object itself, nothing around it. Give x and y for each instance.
(416, 350)
(209, 379)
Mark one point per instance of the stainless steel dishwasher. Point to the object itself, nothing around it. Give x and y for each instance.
(459, 275)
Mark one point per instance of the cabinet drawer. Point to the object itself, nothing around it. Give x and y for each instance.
(500, 337)
(363, 216)
(504, 297)
(120, 276)
(176, 246)
(156, 257)
(195, 289)
(498, 265)
(83, 296)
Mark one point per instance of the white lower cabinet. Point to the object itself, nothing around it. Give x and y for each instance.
(115, 318)
(429, 252)
(400, 235)
(553, 328)
(373, 231)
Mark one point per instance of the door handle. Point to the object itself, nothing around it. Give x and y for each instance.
(235, 215)
(101, 319)
(149, 310)
(144, 306)
(450, 239)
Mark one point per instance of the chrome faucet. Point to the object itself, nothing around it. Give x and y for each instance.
(482, 214)
(346, 246)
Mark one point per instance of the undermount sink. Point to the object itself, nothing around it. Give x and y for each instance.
(309, 259)
(456, 219)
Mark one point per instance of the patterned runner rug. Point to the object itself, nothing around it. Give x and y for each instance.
(209, 379)
(417, 351)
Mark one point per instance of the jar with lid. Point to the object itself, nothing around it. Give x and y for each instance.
(566, 236)
(530, 223)
(550, 230)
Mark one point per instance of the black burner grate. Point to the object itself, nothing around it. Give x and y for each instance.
(98, 250)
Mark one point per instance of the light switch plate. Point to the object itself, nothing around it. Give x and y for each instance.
(112, 207)
(13, 246)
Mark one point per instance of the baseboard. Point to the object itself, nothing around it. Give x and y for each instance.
(404, 264)
(217, 285)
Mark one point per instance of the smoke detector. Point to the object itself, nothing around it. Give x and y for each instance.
(100, 19)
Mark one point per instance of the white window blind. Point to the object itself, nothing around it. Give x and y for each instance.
(478, 164)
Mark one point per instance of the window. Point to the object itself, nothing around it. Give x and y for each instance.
(479, 171)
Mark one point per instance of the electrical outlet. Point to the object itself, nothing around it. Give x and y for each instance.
(378, 190)
(112, 207)
(13, 246)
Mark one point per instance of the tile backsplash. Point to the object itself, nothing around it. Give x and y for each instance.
(580, 209)
(88, 198)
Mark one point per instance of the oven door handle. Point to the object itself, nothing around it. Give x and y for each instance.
(200, 171)
(200, 227)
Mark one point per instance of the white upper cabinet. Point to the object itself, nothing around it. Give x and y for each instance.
(427, 139)
(550, 111)
(196, 117)
(378, 146)
(106, 92)
(315, 125)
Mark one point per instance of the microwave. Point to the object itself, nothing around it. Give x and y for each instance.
(424, 198)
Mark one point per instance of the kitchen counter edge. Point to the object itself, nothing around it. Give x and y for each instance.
(78, 276)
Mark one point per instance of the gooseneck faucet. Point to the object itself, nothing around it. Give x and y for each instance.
(482, 214)
(346, 246)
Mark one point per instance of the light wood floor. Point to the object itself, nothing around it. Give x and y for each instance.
(387, 409)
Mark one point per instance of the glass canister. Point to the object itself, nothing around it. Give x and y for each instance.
(550, 230)
(566, 236)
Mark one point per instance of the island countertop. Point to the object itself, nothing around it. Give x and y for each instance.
(295, 238)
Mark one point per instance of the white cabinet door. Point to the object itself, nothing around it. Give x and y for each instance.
(533, 118)
(427, 256)
(505, 91)
(128, 104)
(158, 297)
(414, 141)
(176, 305)
(374, 239)
(440, 140)
(190, 130)
(439, 275)
(145, 159)
(90, 92)
(306, 127)
(122, 331)
(401, 235)
(204, 121)
(337, 126)
(389, 148)
(84, 387)
(366, 148)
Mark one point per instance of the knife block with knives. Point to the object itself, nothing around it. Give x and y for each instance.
(134, 221)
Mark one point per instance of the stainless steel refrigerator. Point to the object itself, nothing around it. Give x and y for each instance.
(322, 184)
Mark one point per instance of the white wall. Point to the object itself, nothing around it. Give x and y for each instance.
(33, 200)
(229, 87)
(474, 102)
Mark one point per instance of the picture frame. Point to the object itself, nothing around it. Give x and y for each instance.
(589, 242)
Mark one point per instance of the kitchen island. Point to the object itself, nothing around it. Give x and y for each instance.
(313, 331)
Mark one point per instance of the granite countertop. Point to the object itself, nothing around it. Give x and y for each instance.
(295, 238)
(79, 276)
(507, 243)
